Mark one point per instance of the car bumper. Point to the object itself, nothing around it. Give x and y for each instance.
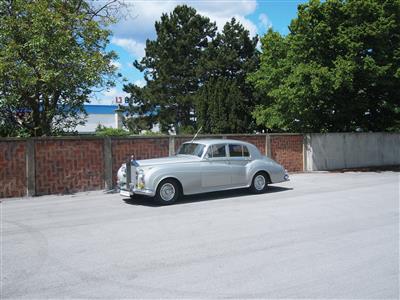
(144, 192)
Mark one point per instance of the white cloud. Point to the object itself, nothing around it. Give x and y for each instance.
(249, 25)
(109, 96)
(132, 31)
(116, 64)
(112, 92)
(264, 21)
(132, 46)
(140, 82)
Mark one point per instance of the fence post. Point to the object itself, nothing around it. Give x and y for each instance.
(30, 168)
(268, 145)
(171, 145)
(107, 158)
(306, 162)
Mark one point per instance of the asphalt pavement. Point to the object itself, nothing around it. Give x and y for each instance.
(321, 235)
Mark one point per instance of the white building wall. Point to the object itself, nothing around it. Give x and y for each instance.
(93, 120)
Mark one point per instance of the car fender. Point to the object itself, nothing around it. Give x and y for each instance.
(188, 175)
(275, 171)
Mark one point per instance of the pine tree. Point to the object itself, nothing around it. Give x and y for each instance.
(171, 69)
(221, 108)
(225, 64)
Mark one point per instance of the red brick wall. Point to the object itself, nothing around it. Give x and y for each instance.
(288, 151)
(77, 164)
(257, 140)
(12, 169)
(141, 148)
(180, 140)
(65, 166)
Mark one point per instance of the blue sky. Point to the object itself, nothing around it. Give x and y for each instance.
(131, 32)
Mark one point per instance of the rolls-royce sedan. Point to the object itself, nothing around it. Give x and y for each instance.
(200, 166)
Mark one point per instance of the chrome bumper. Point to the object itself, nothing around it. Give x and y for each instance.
(144, 192)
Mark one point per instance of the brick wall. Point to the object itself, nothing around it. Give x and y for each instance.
(141, 148)
(257, 140)
(288, 151)
(12, 169)
(65, 166)
(180, 140)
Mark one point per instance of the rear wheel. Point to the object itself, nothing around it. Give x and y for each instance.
(168, 192)
(260, 183)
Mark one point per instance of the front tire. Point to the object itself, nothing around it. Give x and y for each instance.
(260, 183)
(168, 192)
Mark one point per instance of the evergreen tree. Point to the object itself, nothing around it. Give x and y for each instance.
(170, 68)
(221, 108)
(225, 64)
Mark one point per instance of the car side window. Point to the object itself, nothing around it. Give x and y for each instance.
(218, 151)
(246, 152)
(238, 151)
(235, 150)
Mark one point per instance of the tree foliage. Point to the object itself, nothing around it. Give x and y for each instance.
(220, 107)
(52, 55)
(337, 70)
(109, 131)
(170, 68)
(225, 100)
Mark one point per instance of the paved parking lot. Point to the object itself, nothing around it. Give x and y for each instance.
(321, 235)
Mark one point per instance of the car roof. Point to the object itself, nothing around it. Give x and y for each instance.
(208, 142)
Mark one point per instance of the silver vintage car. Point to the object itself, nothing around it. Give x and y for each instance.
(198, 167)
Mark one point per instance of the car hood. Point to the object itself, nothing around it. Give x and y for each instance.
(166, 160)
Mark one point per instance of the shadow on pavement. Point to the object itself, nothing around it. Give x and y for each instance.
(221, 195)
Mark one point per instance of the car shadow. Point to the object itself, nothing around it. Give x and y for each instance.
(212, 196)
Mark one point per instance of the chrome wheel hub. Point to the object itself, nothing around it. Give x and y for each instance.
(259, 182)
(167, 192)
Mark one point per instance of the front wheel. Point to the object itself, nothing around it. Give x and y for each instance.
(168, 192)
(259, 183)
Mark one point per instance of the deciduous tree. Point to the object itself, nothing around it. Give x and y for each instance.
(52, 55)
(337, 70)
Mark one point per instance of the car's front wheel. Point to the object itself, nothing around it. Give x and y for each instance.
(168, 192)
(260, 183)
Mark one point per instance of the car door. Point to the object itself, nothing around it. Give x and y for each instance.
(215, 169)
(238, 159)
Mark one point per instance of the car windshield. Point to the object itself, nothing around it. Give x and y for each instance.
(191, 149)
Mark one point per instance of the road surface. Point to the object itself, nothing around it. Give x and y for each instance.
(321, 235)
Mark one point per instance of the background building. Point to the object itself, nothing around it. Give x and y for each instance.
(105, 115)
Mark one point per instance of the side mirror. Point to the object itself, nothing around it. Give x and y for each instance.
(207, 156)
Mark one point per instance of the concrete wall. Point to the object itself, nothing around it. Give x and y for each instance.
(330, 151)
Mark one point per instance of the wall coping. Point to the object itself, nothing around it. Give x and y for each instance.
(80, 137)
(89, 137)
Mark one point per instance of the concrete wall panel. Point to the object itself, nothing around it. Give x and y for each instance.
(331, 151)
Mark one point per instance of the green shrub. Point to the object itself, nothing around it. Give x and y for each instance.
(109, 131)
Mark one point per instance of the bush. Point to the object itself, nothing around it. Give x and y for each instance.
(109, 131)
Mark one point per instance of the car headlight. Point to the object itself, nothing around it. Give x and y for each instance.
(140, 179)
